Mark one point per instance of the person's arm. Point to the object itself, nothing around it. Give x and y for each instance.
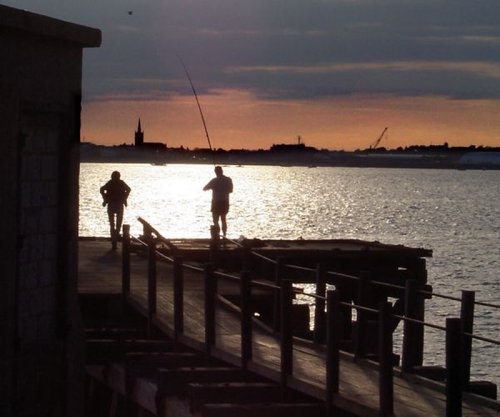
(103, 190)
(208, 186)
(126, 192)
(230, 185)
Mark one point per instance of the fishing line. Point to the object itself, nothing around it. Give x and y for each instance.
(199, 106)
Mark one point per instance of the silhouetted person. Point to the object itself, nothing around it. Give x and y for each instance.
(115, 193)
(221, 187)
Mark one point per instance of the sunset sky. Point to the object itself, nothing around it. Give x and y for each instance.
(335, 72)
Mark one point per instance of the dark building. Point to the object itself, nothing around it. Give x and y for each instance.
(147, 146)
(139, 135)
(300, 146)
(41, 338)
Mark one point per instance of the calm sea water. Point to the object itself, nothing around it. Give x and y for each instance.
(454, 213)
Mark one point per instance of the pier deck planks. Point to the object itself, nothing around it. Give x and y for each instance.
(100, 272)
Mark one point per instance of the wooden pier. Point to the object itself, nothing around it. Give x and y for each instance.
(203, 327)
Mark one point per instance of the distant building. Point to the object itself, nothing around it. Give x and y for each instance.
(150, 146)
(139, 135)
(300, 146)
(42, 340)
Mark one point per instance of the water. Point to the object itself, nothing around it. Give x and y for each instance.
(454, 213)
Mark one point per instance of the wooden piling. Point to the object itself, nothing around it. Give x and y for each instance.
(178, 296)
(246, 318)
(453, 368)
(319, 310)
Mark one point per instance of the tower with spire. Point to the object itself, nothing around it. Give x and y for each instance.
(139, 135)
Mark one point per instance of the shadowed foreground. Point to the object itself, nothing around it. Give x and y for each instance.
(100, 273)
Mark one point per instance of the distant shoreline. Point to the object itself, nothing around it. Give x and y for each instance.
(470, 158)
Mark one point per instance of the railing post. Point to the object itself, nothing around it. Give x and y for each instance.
(246, 318)
(246, 257)
(386, 387)
(278, 275)
(359, 348)
(214, 244)
(453, 368)
(333, 333)
(151, 285)
(286, 333)
(210, 289)
(419, 313)
(467, 320)
(126, 261)
(178, 297)
(408, 360)
(319, 310)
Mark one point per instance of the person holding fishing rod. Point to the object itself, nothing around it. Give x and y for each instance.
(221, 187)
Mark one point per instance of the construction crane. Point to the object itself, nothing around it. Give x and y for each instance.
(377, 141)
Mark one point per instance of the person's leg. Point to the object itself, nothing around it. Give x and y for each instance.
(115, 224)
(111, 218)
(119, 220)
(215, 217)
(224, 224)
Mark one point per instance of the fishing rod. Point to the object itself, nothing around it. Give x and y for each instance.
(199, 105)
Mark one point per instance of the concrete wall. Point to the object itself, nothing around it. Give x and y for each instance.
(41, 355)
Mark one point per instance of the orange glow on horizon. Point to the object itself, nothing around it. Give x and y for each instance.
(239, 120)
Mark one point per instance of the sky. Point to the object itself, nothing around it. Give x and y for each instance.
(334, 72)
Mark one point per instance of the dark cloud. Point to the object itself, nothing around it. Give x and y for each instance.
(289, 49)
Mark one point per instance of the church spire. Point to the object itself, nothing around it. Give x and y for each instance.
(139, 135)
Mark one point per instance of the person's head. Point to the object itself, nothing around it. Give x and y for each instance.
(218, 171)
(115, 175)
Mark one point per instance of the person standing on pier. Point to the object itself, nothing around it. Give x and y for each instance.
(115, 193)
(221, 187)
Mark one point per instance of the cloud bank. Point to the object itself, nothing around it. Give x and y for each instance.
(289, 49)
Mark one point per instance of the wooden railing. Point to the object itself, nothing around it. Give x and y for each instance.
(327, 329)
